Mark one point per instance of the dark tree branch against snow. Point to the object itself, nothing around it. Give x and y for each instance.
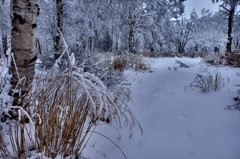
(229, 7)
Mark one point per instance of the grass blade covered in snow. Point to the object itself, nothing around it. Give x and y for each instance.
(66, 109)
(211, 81)
(60, 113)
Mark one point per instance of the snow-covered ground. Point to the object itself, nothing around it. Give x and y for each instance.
(177, 124)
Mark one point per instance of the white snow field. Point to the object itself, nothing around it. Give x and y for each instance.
(177, 124)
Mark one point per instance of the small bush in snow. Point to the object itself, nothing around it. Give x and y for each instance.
(233, 58)
(236, 99)
(125, 61)
(211, 81)
(214, 59)
(101, 66)
(139, 64)
(120, 62)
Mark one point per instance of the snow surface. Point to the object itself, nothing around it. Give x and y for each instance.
(177, 124)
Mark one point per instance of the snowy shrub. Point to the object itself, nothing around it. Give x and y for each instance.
(126, 61)
(95, 63)
(60, 114)
(236, 99)
(120, 62)
(139, 64)
(214, 59)
(211, 81)
(101, 66)
(233, 58)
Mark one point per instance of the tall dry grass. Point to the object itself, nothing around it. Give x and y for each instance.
(57, 118)
(125, 61)
(61, 113)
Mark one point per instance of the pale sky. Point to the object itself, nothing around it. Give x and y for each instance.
(199, 5)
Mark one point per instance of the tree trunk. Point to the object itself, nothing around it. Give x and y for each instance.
(131, 38)
(59, 40)
(181, 47)
(90, 43)
(230, 25)
(24, 25)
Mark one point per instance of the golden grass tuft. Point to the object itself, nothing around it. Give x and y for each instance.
(63, 111)
(125, 61)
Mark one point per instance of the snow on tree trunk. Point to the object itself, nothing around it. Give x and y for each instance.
(24, 25)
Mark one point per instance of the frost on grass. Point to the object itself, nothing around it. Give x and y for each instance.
(210, 81)
(60, 114)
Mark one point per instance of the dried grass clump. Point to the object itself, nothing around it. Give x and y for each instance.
(125, 61)
(61, 113)
(120, 63)
(140, 64)
(233, 58)
(211, 81)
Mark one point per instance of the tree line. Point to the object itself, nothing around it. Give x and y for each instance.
(158, 27)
